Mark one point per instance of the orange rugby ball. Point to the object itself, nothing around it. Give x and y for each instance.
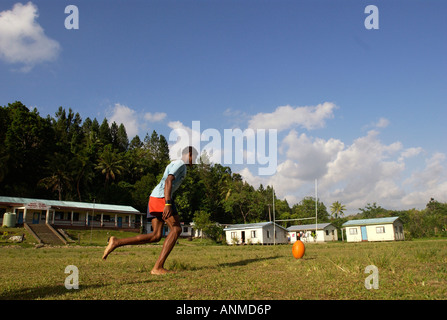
(298, 249)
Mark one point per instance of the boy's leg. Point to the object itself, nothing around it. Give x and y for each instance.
(154, 236)
(175, 229)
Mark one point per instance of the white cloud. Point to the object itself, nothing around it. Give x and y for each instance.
(128, 117)
(135, 122)
(154, 117)
(312, 154)
(382, 123)
(23, 40)
(365, 171)
(431, 182)
(286, 117)
(410, 153)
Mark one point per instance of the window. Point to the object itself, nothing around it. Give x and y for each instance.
(58, 215)
(233, 235)
(352, 231)
(253, 234)
(185, 229)
(380, 229)
(327, 232)
(268, 234)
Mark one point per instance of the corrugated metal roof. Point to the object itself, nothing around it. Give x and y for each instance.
(302, 227)
(251, 226)
(56, 204)
(363, 222)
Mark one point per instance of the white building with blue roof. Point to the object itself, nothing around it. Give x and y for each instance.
(256, 233)
(377, 229)
(321, 232)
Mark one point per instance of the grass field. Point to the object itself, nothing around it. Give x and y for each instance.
(407, 270)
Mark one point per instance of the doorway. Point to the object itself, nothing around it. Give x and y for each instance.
(36, 217)
(364, 235)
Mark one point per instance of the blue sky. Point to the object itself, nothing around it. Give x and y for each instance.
(230, 64)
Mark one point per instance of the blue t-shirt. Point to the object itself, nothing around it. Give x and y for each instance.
(178, 169)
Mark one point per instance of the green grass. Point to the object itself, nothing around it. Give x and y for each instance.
(6, 233)
(407, 270)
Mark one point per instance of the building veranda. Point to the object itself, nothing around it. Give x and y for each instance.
(71, 214)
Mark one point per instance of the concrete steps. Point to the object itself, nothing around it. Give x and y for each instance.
(46, 234)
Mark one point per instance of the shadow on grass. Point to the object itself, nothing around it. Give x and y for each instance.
(51, 292)
(176, 265)
(245, 262)
(42, 292)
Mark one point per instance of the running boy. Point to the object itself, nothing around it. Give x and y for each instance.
(161, 208)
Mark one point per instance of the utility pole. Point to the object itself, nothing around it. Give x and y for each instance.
(274, 220)
(316, 208)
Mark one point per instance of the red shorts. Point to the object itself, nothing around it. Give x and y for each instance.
(156, 206)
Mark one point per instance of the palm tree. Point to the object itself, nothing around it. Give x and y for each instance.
(337, 209)
(59, 178)
(109, 164)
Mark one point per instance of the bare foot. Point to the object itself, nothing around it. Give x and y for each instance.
(161, 271)
(110, 247)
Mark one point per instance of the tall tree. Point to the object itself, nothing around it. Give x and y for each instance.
(109, 164)
(114, 134)
(105, 135)
(158, 150)
(240, 201)
(135, 143)
(337, 210)
(373, 211)
(68, 131)
(59, 179)
(306, 209)
(28, 138)
(122, 141)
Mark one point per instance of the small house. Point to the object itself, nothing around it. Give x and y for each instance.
(187, 230)
(378, 229)
(306, 232)
(256, 233)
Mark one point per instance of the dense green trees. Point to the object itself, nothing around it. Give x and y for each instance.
(67, 158)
